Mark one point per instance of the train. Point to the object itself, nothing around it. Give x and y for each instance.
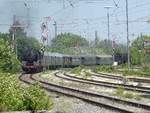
(35, 61)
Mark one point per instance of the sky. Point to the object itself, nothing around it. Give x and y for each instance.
(82, 17)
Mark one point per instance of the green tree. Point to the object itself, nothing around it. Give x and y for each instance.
(5, 36)
(69, 40)
(68, 43)
(137, 49)
(8, 61)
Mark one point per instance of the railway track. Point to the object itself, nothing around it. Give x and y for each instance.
(112, 76)
(105, 84)
(112, 103)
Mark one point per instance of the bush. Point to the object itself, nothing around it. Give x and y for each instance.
(146, 69)
(77, 70)
(132, 72)
(11, 94)
(87, 75)
(36, 99)
(128, 95)
(13, 97)
(104, 69)
(8, 60)
(120, 91)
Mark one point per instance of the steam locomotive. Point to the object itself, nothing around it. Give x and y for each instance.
(35, 61)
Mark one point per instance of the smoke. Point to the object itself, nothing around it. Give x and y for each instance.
(25, 11)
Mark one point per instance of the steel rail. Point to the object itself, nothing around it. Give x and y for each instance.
(86, 96)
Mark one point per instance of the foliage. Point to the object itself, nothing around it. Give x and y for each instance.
(67, 40)
(5, 37)
(120, 91)
(106, 46)
(8, 61)
(137, 50)
(77, 70)
(132, 73)
(146, 69)
(104, 69)
(36, 99)
(14, 97)
(87, 75)
(69, 43)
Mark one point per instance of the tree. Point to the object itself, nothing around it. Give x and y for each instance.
(69, 40)
(5, 37)
(68, 43)
(8, 61)
(137, 49)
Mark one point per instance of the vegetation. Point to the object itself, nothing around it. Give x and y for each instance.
(87, 75)
(137, 51)
(146, 69)
(14, 97)
(139, 73)
(120, 91)
(69, 43)
(69, 40)
(106, 46)
(77, 70)
(104, 69)
(131, 73)
(8, 60)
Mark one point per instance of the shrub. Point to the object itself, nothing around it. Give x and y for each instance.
(11, 94)
(128, 95)
(36, 99)
(120, 91)
(14, 97)
(77, 70)
(104, 68)
(8, 60)
(87, 74)
(146, 69)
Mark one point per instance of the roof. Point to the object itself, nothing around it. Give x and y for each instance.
(104, 56)
(52, 54)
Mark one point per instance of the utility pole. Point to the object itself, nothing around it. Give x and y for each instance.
(108, 22)
(96, 38)
(128, 41)
(14, 41)
(55, 25)
(113, 47)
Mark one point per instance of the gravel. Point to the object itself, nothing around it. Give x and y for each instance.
(63, 104)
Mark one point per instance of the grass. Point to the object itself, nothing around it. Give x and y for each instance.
(124, 71)
(77, 70)
(87, 75)
(104, 69)
(120, 91)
